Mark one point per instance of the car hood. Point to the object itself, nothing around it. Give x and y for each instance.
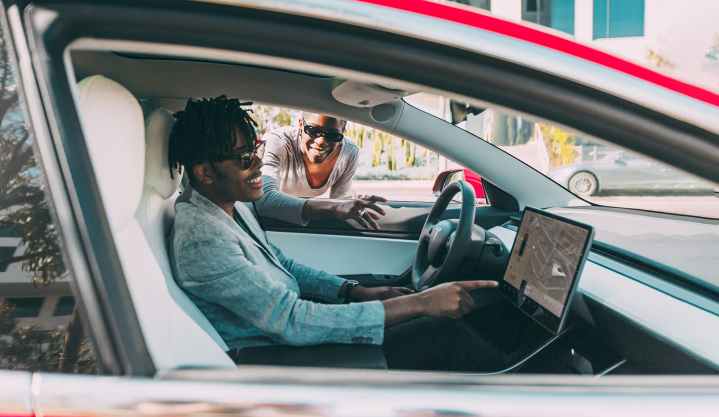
(684, 243)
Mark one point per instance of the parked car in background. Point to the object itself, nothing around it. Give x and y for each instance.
(626, 172)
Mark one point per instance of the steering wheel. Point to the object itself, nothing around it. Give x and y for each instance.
(443, 244)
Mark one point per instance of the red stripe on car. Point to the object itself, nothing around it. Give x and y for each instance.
(493, 24)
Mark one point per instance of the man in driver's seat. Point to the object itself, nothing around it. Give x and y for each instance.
(256, 296)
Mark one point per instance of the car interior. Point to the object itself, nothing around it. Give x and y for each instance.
(125, 102)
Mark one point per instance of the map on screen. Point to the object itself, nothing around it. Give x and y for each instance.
(546, 256)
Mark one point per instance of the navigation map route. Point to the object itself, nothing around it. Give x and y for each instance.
(546, 255)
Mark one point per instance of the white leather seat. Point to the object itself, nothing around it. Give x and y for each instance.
(138, 193)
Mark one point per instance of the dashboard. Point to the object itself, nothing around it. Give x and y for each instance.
(624, 326)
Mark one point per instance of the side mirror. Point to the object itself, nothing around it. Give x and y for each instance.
(445, 178)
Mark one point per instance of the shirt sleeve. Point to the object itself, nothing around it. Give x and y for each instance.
(342, 188)
(217, 271)
(274, 203)
(313, 283)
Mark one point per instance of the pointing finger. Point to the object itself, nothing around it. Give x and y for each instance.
(473, 285)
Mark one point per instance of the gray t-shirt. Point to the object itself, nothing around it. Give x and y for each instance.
(285, 178)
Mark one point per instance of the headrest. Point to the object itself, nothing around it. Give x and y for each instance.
(157, 141)
(113, 125)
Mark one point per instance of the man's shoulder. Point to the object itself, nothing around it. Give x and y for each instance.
(285, 134)
(350, 147)
(192, 223)
(351, 152)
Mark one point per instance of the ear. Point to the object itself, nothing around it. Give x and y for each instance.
(203, 173)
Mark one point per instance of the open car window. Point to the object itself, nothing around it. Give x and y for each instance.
(387, 165)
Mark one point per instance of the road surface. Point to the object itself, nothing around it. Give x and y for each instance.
(697, 205)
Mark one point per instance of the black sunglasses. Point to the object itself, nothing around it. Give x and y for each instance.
(330, 135)
(246, 157)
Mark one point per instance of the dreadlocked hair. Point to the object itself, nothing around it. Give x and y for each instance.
(205, 131)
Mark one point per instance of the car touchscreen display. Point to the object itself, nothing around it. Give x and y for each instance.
(544, 266)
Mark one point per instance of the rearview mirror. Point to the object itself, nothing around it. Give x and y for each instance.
(445, 178)
(459, 111)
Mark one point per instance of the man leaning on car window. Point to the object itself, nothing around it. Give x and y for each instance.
(257, 297)
(308, 160)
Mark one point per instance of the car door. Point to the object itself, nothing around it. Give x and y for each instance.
(42, 320)
(282, 391)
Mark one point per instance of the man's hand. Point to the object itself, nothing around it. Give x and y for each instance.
(363, 209)
(452, 299)
(446, 300)
(360, 293)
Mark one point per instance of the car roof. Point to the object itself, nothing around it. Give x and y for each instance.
(528, 45)
(536, 35)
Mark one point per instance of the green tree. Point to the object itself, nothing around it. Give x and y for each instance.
(24, 209)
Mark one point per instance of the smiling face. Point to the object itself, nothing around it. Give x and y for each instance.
(318, 148)
(230, 180)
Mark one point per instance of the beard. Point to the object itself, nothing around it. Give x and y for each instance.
(317, 154)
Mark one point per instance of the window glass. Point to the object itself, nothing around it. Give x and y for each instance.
(480, 4)
(33, 276)
(618, 18)
(25, 307)
(388, 166)
(593, 169)
(557, 14)
(607, 175)
(6, 252)
(65, 306)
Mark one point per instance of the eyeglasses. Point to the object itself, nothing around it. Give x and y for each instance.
(330, 135)
(247, 157)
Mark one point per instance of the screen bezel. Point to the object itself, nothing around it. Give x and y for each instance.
(530, 307)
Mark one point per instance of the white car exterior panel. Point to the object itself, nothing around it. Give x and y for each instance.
(15, 393)
(346, 393)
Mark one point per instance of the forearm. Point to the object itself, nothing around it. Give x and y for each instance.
(314, 283)
(279, 205)
(315, 209)
(403, 308)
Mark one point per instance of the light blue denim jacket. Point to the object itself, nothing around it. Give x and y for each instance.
(251, 292)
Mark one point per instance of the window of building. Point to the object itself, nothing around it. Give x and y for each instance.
(480, 4)
(6, 253)
(65, 305)
(556, 14)
(25, 307)
(618, 18)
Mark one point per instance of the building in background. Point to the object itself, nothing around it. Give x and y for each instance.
(680, 39)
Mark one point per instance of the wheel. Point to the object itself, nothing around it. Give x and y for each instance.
(583, 184)
(443, 243)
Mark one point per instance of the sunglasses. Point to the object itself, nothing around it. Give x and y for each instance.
(247, 157)
(330, 135)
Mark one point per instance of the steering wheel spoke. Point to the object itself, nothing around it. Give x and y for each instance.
(428, 276)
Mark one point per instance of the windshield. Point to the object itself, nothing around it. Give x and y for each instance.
(606, 175)
(594, 170)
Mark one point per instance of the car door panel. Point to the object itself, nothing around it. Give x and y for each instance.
(15, 395)
(345, 249)
(327, 392)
